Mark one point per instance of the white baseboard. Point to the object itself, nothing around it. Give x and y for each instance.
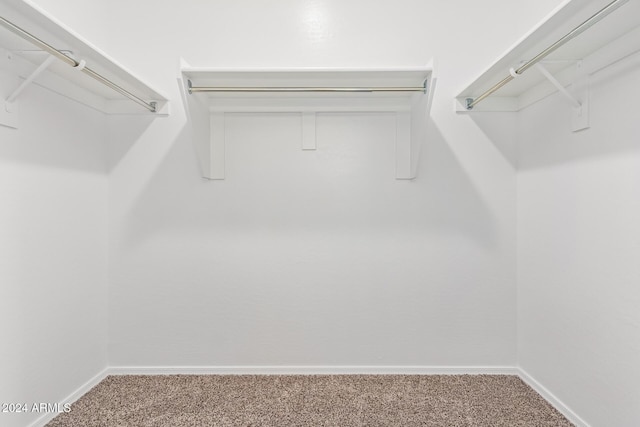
(552, 399)
(82, 390)
(312, 370)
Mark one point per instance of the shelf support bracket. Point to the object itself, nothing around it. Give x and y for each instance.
(580, 116)
(403, 145)
(45, 64)
(217, 150)
(574, 102)
(7, 113)
(309, 130)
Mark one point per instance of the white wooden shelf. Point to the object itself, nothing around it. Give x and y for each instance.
(22, 58)
(615, 37)
(207, 110)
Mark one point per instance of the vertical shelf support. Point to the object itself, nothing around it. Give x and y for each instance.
(580, 116)
(403, 145)
(217, 155)
(7, 117)
(309, 130)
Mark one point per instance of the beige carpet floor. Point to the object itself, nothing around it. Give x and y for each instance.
(322, 400)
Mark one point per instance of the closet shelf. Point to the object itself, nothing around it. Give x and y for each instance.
(614, 37)
(213, 92)
(96, 80)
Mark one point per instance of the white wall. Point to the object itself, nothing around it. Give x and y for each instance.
(53, 249)
(322, 258)
(579, 250)
(312, 258)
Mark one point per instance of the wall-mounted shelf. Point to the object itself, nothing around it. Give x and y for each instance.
(29, 62)
(610, 39)
(210, 93)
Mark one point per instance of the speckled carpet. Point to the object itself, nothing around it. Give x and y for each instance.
(322, 400)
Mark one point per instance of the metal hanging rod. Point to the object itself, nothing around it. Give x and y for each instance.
(151, 106)
(193, 89)
(472, 102)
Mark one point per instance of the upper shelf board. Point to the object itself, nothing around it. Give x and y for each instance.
(24, 57)
(348, 77)
(307, 77)
(621, 25)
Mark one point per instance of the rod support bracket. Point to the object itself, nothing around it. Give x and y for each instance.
(81, 64)
(189, 87)
(468, 102)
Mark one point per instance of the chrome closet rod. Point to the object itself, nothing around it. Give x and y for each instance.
(151, 106)
(193, 89)
(471, 102)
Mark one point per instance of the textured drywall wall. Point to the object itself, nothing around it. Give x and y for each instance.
(53, 250)
(315, 257)
(578, 249)
(311, 257)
